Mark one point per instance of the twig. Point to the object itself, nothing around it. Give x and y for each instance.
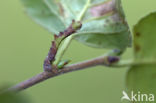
(51, 62)
(104, 60)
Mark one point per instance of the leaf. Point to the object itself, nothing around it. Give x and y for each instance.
(111, 32)
(98, 40)
(41, 13)
(104, 24)
(12, 97)
(143, 77)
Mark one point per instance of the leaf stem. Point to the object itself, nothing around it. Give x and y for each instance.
(103, 2)
(63, 48)
(99, 18)
(126, 63)
(82, 13)
(54, 49)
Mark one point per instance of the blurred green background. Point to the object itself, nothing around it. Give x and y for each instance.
(24, 45)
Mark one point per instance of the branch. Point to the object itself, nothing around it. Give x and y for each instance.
(51, 62)
(104, 60)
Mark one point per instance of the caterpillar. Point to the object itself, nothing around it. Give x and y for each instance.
(73, 27)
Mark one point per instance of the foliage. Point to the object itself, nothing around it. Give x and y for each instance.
(142, 77)
(103, 26)
(12, 97)
(111, 32)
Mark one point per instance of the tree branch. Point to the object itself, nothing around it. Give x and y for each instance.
(50, 64)
(104, 60)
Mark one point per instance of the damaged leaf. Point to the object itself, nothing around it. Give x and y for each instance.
(40, 12)
(143, 77)
(104, 24)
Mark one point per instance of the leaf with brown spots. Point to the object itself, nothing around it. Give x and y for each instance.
(142, 77)
(43, 15)
(104, 23)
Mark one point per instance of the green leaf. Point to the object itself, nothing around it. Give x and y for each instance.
(98, 40)
(104, 24)
(12, 97)
(143, 77)
(42, 14)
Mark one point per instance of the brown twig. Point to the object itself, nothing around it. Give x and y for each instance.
(51, 71)
(104, 60)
